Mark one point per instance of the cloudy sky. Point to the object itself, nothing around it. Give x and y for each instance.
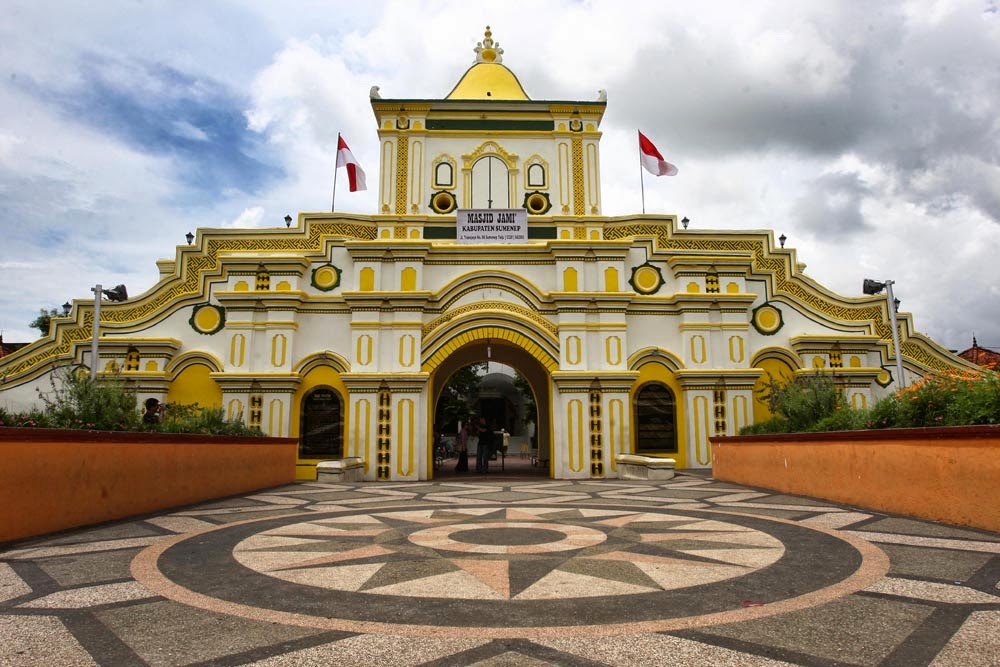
(866, 132)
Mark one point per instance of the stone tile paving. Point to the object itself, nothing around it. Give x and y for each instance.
(506, 571)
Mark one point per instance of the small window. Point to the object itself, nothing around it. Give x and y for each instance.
(536, 176)
(444, 175)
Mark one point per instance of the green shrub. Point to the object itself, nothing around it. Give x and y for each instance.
(109, 404)
(884, 414)
(804, 401)
(950, 399)
(78, 402)
(181, 418)
(767, 427)
(843, 419)
(33, 418)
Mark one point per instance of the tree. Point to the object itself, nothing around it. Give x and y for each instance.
(459, 395)
(44, 320)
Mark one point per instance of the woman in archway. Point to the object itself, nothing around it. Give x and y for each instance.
(463, 449)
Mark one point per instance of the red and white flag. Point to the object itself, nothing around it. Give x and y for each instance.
(345, 158)
(652, 160)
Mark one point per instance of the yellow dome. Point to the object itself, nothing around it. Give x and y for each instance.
(488, 81)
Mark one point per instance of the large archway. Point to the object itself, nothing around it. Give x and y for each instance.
(507, 353)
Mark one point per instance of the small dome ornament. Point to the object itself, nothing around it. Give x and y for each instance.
(488, 51)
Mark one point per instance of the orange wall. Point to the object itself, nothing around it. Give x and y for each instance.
(56, 479)
(950, 475)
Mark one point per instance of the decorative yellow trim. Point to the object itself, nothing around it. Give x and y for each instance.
(362, 430)
(736, 351)
(698, 351)
(485, 307)
(491, 148)
(482, 332)
(444, 158)
(613, 350)
(408, 279)
(407, 350)
(570, 283)
(279, 344)
(237, 347)
(416, 175)
(573, 351)
(387, 180)
(364, 350)
(700, 420)
(579, 196)
(276, 418)
(616, 430)
(593, 179)
(544, 165)
(323, 358)
(741, 412)
(565, 170)
(402, 162)
(405, 425)
(366, 280)
(656, 355)
(574, 435)
(611, 280)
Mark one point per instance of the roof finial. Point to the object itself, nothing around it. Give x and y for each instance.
(488, 51)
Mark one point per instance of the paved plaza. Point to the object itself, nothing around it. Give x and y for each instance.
(506, 570)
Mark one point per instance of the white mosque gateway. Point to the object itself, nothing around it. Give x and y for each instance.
(634, 333)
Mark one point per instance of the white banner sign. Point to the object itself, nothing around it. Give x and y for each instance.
(492, 225)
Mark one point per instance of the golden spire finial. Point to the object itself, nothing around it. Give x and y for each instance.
(488, 51)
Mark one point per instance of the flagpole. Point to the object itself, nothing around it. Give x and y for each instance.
(642, 182)
(333, 202)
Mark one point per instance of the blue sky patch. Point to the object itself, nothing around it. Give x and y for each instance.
(166, 112)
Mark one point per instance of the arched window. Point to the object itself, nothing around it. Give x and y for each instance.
(321, 434)
(444, 175)
(490, 183)
(536, 176)
(655, 419)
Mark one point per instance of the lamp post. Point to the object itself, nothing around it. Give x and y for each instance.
(873, 287)
(98, 293)
(116, 293)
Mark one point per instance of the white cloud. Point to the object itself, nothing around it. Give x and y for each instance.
(250, 217)
(869, 137)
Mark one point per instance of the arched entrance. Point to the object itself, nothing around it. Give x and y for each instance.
(490, 183)
(321, 431)
(504, 352)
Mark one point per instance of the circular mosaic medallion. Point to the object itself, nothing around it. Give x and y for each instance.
(767, 319)
(518, 571)
(207, 318)
(326, 277)
(646, 279)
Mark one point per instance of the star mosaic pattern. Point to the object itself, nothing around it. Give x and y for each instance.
(686, 572)
(498, 553)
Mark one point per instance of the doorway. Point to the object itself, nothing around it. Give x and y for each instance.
(321, 430)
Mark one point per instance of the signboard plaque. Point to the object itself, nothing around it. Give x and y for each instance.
(491, 225)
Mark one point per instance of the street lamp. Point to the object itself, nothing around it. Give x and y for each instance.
(66, 308)
(874, 287)
(116, 293)
(288, 220)
(782, 239)
(190, 237)
(685, 221)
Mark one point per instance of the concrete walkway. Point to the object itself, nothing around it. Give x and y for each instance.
(506, 571)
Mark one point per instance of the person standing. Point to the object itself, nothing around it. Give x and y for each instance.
(485, 447)
(463, 449)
